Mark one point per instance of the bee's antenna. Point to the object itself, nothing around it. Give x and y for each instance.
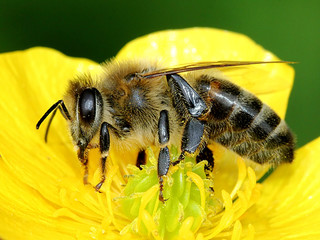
(49, 124)
(52, 108)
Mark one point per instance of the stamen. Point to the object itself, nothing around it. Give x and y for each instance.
(241, 176)
(237, 230)
(150, 224)
(192, 208)
(146, 198)
(185, 230)
(199, 182)
(111, 173)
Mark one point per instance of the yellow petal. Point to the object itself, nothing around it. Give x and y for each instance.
(289, 206)
(34, 175)
(41, 190)
(271, 82)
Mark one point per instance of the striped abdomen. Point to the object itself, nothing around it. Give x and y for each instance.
(241, 122)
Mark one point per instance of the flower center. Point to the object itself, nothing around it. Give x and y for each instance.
(194, 209)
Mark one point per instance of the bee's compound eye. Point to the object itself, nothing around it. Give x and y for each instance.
(87, 105)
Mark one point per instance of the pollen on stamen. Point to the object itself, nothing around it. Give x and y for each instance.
(192, 208)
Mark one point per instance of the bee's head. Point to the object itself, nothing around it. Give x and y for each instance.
(84, 102)
(88, 116)
(82, 107)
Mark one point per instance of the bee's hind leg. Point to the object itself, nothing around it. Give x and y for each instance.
(192, 138)
(104, 150)
(193, 134)
(206, 154)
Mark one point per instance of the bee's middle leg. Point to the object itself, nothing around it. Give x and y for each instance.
(164, 154)
(104, 150)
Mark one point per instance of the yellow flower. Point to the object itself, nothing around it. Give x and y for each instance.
(41, 191)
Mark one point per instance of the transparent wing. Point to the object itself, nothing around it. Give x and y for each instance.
(203, 65)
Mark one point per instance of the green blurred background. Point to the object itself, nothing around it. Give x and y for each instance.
(97, 29)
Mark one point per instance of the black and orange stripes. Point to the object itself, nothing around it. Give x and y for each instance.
(238, 120)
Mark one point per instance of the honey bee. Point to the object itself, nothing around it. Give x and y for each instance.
(136, 104)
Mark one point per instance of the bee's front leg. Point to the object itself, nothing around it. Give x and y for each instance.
(83, 158)
(104, 150)
(86, 172)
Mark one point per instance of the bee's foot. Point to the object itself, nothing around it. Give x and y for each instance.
(161, 198)
(85, 179)
(99, 185)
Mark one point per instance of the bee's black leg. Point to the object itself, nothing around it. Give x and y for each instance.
(141, 159)
(83, 153)
(192, 138)
(206, 154)
(164, 155)
(182, 91)
(197, 108)
(104, 150)
(83, 157)
(194, 128)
